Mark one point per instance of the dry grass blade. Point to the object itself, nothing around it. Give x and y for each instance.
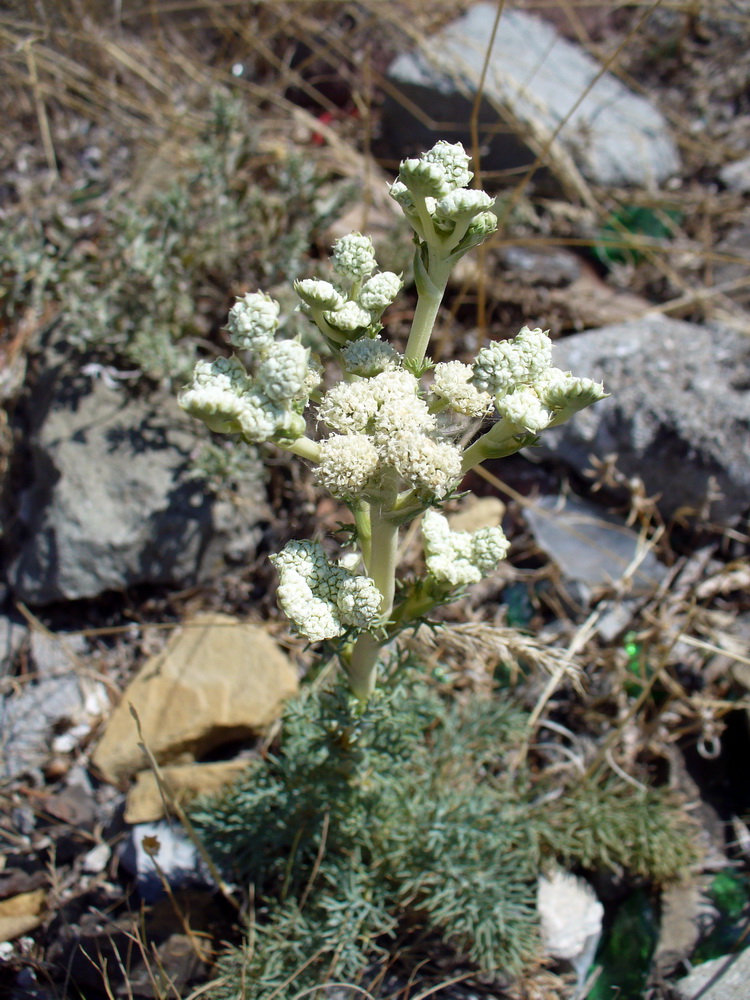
(492, 644)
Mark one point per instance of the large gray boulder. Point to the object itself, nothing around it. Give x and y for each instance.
(535, 81)
(112, 503)
(678, 415)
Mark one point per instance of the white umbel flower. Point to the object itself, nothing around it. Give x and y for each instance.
(424, 179)
(347, 462)
(454, 161)
(462, 204)
(433, 468)
(402, 196)
(461, 557)
(406, 413)
(452, 382)
(379, 291)
(252, 322)
(350, 318)
(348, 407)
(369, 356)
(284, 370)
(524, 409)
(354, 256)
(217, 394)
(358, 601)
(321, 599)
(259, 417)
(319, 293)
(560, 390)
(505, 365)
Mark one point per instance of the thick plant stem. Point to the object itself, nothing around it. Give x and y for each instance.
(303, 447)
(431, 287)
(381, 567)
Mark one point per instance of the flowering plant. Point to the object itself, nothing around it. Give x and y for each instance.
(393, 421)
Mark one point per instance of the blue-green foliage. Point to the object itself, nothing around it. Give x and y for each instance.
(155, 270)
(403, 819)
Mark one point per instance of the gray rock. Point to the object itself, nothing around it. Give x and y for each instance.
(731, 974)
(678, 415)
(55, 655)
(65, 705)
(112, 503)
(168, 847)
(12, 636)
(590, 547)
(535, 79)
(736, 176)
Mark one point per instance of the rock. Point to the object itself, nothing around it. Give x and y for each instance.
(736, 176)
(96, 860)
(12, 636)
(21, 914)
(589, 546)
(731, 973)
(218, 680)
(678, 415)
(155, 852)
(555, 267)
(477, 512)
(534, 80)
(54, 655)
(70, 703)
(145, 802)
(686, 912)
(112, 503)
(734, 268)
(570, 918)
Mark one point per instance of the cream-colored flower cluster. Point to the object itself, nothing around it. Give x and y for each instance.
(323, 599)
(383, 445)
(265, 402)
(433, 192)
(352, 308)
(529, 394)
(461, 557)
(386, 435)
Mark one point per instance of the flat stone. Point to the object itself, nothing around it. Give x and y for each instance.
(477, 512)
(155, 852)
(535, 80)
(12, 636)
(678, 414)
(736, 176)
(218, 680)
(21, 914)
(589, 546)
(686, 913)
(113, 503)
(732, 974)
(70, 703)
(182, 782)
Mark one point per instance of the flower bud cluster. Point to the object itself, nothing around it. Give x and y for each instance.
(433, 192)
(386, 433)
(353, 310)
(528, 392)
(323, 599)
(265, 402)
(458, 558)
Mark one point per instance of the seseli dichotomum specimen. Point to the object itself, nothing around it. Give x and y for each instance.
(387, 431)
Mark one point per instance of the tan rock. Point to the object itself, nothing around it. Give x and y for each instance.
(21, 914)
(218, 680)
(182, 782)
(476, 513)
